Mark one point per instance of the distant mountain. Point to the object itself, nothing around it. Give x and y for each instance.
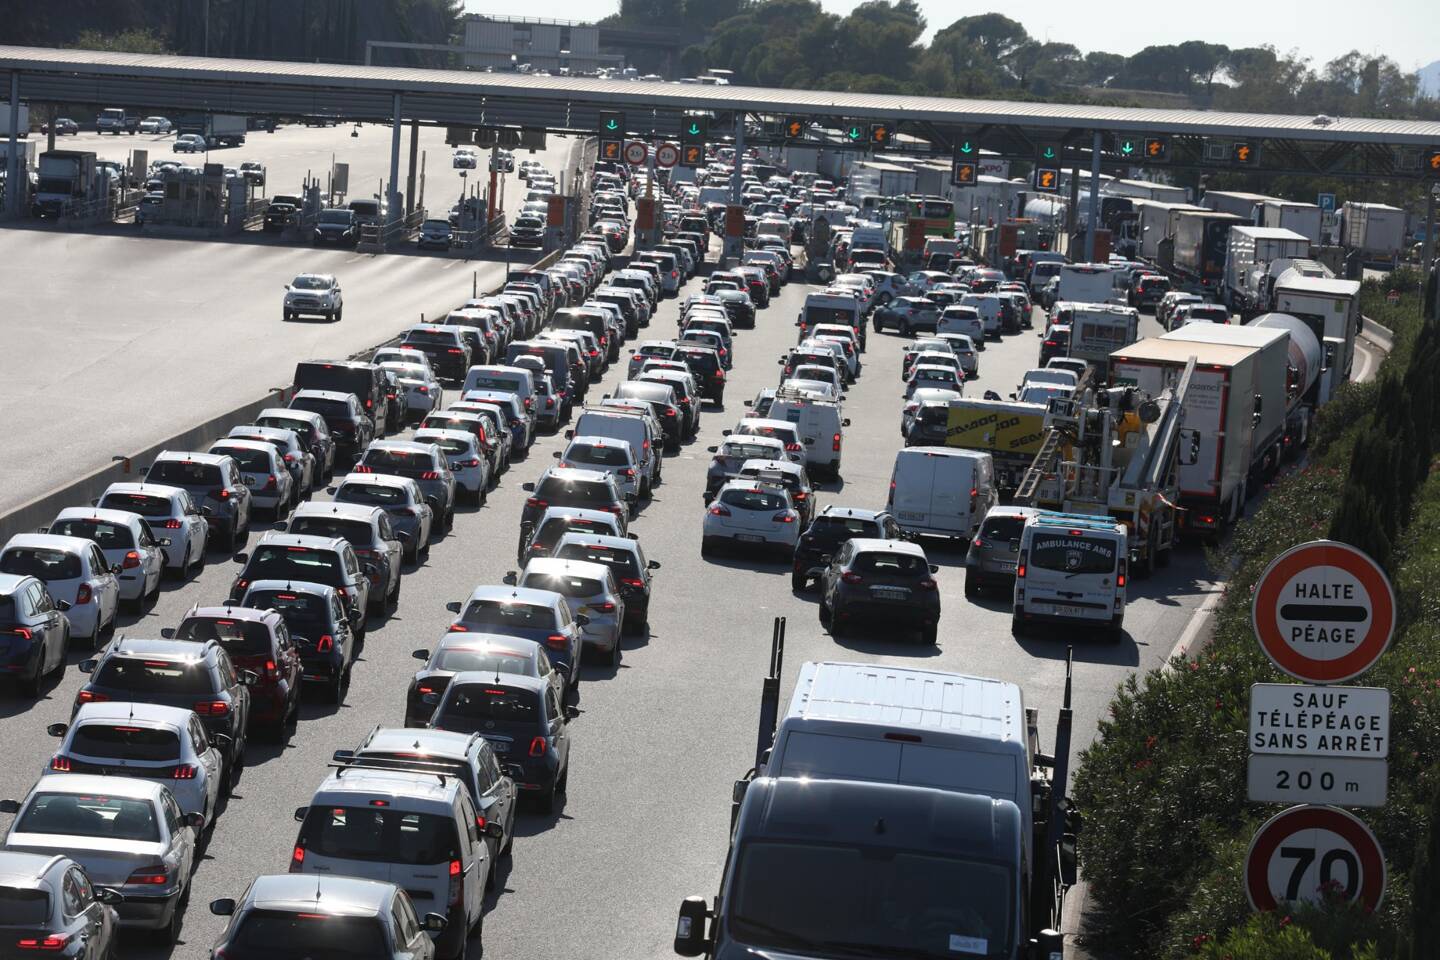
(1430, 79)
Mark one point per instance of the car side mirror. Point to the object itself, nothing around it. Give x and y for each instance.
(206, 512)
(556, 454)
(726, 433)
(88, 666)
(223, 907)
(434, 923)
(57, 729)
(690, 939)
(330, 490)
(109, 896)
(453, 606)
(62, 605)
(528, 486)
(240, 558)
(582, 619)
(44, 529)
(249, 677)
(845, 423)
(94, 503)
(196, 820)
(221, 740)
(301, 813)
(934, 568)
(494, 830)
(653, 565)
(510, 578)
(115, 568)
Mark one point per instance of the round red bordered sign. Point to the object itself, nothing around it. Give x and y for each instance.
(1323, 612)
(1300, 851)
(667, 155)
(635, 152)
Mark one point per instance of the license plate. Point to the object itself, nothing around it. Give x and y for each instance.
(907, 515)
(1006, 564)
(249, 481)
(749, 538)
(1062, 610)
(889, 593)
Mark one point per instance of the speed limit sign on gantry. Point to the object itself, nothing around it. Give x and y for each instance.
(1301, 854)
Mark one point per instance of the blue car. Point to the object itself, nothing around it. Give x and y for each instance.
(34, 632)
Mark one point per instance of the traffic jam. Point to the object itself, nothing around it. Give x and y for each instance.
(615, 355)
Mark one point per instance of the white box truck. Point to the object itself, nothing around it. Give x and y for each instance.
(1374, 230)
(1234, 201)
(1248, 253)
(1153, 225)
(1219, 424)
(1303, 218)
(1331, 309)
(1200, 238)
(1086, 283)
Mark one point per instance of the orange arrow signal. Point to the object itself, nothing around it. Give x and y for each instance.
(1154, 146)
(1243, 153)
(1435, 161)
(1047, 179)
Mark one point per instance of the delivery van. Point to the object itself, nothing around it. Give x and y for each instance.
(942, 491)
(820, 426)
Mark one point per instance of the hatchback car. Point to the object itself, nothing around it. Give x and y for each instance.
(540, 615)
(889, 582)
(146, 740)
(59, 911)
(482, 652)
(257, 641)
(34, 632)
(73, 570)
(789, 475)
(294, 453)
(524, 721)
(128, 833)
(126, 541)
(749, 514)
(323, 916)
(634, 575)
(263, 470)
(833, 527)
(315, 295)
(571, 487)
(349, 427)
(400, 497)
(590, 590)
(729, 456)
(425, 463)
(329, 561)
(605, 455)
(319, 628)
(181, 528)
(213, 481)
(990, 560)
(312, 430)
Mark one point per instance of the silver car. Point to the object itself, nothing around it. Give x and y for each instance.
(314, 295)
(128, 834)
(400, 497)
(467, 461)
(589, 590)
(272, 485)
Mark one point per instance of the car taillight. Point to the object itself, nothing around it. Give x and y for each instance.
(184, 771)
(90, 696)
(325, 644)
(22, 632)
(794, 447)
(851, 577)
(456, 887)
(927, 584)
(1120, 580)
(632, 582)
(669, 411)
(629, 472)
(536, 502)
(132, 560)
(616, 509)
(607, 607)
(83, 595)
(481, 822)
(289, 458)
(361, 468)
(719, 510)
(977, 542)
(154, 875)
(557, 641)
(212, 708)
(549, 403)
(51, 943)
(370, 403)
(241, 584)
(451, 350)
(835, 443)
(172, 524)
(784, 516)
(459, 628)
(1020, 567)
(529, 403)
(297, 859)
(60, 763)
(719, 374)
(538, 746)
(430, 475)
(271, 482)
(272, 671)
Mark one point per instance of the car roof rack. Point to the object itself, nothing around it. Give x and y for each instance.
(441, 770)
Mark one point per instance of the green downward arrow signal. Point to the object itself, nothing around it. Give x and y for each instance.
(1049, 153)
(1127, 148)
(967, 147)
(854, 133)
(611, 125)
(694, 129)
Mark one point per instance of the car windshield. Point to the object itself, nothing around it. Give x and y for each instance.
(473, 706)
(307, 564)
(310, 283)
(437, 225)
(142, 676)
(605, 455)
(124, 742)
(146, 506)
(305, 614)
(753, 500)
(876, 901)
(249, 460)
(335, 216)
(379, 834)
(511, 614)
(266, 934)
(303, 428)
(1071, 554)
(107, 535)
(106, 818)
(487, 659)
(41, 563)
(239, 638)
(184, 473)
(575, 493)
(380, 494)
(23, 907)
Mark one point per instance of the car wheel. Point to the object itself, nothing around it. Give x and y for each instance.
(288, 316)
(799, 581)
(905, 328)
(394, 599)
(972, 587)
(615, 651)
(178, 573)
(930, 634)
(826, 618)
(338, 315)
(169, 934)
(545, 803)
(338, 687)
(30, 686)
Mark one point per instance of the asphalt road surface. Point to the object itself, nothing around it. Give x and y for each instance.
(658, 741)
(114, 340)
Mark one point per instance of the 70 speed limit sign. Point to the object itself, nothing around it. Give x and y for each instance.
(1300, 853)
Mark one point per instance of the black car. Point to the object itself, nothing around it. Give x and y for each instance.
(36, 630)
(177, 673)
(1148, 290)
(738, 307)
(319, 627)
(350, 429)
(1055, 344)
(281, 213)
(369, 531)
(527, 232)
(704, 363)
(366, 380)
(524, 722)
(337, 225)
(830, 530)
(887, 582)
(633, 573)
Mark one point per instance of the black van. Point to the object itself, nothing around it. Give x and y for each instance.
(365, 380)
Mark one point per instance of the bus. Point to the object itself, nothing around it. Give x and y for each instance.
(936, 215)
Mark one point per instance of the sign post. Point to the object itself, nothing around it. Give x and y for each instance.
(1324, 613)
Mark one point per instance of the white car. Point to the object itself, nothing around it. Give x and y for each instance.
(609, 455)
(964, 348)
(400, 355)
(423, 392)
(464, 159)
(126, 541)
(149, 740)
(467, 460)
(73, 570)
(171, 513)
(589, 590)
(189, 143)
(315, 295)
(747, 513)
(272, 487)
(297, 457)
(155, 125)
(932, 375)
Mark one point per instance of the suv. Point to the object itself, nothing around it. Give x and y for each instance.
(365, 380)
(405, 827)
(446, 347)
(372, 535)
(324, 916)
(177, 673)
(213, 481)
(257, 641)
(329, 561)
(318, 625)
(37, 629)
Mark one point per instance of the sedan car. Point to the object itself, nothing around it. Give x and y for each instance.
(63, 125)
(126, 541)
(314, 295)
(128, 833)
(889, 582)
(750, 514)
(153, 125)
(189, 143)
(488, 652)
(60, 911)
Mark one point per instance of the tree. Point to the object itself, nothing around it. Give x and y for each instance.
(996, 34)
(878, 38)
(126, 41)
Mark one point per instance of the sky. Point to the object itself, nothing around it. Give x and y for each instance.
(1408, 31)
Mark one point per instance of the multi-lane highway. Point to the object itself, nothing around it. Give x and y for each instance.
(115, 340)
(657, 742)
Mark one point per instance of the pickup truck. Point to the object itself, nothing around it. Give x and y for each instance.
(115, 120)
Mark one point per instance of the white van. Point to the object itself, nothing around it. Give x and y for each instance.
(633, 429)
(819, 425)
(990, 311)
(1087, 283)
(942, 491)
(516, 380)
(414, 830)
(925, 728)
(1072, 568)
(966, 319)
